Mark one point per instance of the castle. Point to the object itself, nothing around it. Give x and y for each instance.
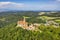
(23, 24)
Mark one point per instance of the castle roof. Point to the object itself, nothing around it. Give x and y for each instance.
(21, 22)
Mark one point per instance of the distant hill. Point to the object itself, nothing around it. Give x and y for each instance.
(30, 13)
(51, 14)
(22, 13)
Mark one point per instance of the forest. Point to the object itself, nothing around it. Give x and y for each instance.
(9, 31)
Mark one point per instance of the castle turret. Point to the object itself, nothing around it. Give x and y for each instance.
(24, 19)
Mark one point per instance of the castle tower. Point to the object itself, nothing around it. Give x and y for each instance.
(24, 19)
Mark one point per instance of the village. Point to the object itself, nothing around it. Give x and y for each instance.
(25, 25)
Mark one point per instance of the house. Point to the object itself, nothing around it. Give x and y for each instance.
(48, 23)
(36, 24)
(31, 27)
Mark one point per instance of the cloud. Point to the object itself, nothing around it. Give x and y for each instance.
(28, 6)
(10, 5)
(58, 0)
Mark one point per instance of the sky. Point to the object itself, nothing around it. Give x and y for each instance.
(42, 5)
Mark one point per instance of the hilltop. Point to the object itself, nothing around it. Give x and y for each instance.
(30, 13)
